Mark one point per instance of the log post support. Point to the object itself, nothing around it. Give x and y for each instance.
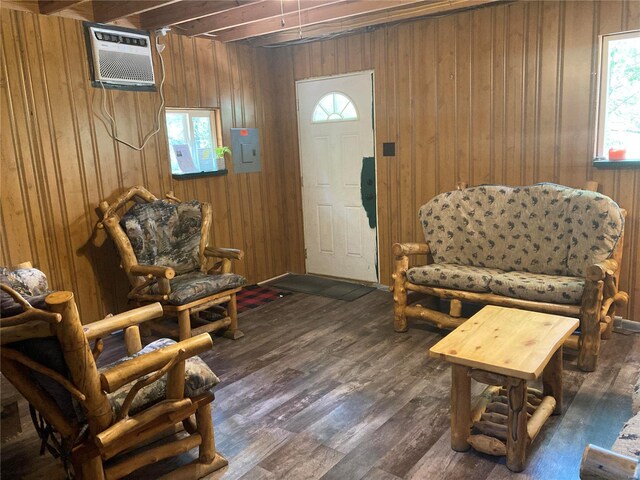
(233, 332)
(517, 436)
(184, 324)
(455, 309)
(80, 361)
(460, 407)
(552, 380)
(590, 325)
(400, 293)
(204, 424)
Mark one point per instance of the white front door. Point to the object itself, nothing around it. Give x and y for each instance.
(335, 124)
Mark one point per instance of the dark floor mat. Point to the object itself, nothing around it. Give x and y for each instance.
(325, 287)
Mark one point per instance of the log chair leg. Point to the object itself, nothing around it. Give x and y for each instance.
(209, 459)
(552, 380)
(517, 436)
(91, 469)
(184, 324)
(233, 332)
(590, 326)
(460, 408)
(606, 334)
(400, 294)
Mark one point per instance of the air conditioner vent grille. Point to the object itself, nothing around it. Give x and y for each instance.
(125, 66)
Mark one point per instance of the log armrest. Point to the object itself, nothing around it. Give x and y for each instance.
(133, 369)
(400, 249)
(122, 321)
(158, 272)
(216, 252)
(600, 270)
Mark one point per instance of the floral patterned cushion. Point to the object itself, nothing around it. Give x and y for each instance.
(447, 275)
(544, 228)
(31, 283)
(198, 379)
(165, 234)
(538, 287)
(195, 285)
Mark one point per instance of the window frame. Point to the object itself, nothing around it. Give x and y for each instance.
(335, 120)
(601, 157)
(215, 120)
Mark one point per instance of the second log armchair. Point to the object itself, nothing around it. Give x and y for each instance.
(164, 250)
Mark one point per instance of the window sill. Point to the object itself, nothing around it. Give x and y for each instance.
(187, 176)
(611, 164)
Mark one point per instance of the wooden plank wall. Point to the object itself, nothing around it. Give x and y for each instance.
(503, 94)
(58, 161)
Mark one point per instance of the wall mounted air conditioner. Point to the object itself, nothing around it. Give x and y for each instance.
(119, 57)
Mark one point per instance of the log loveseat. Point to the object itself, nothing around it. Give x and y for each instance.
(545, 247)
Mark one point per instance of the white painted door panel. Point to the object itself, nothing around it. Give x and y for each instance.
(338, 239)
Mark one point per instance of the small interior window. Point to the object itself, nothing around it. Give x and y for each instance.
(193, 135)
(334, 107)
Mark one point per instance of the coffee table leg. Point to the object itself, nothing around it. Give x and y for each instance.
(517, 437)
(552, 380)
(460, 407)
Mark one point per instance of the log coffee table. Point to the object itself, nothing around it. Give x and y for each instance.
(504, 348)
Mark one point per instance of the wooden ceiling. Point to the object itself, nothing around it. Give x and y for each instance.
(259, 22)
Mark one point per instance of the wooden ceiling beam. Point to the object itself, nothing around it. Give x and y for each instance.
(328, 13)
(174, 14)
(314, 31)
(105, 11)
(47, 7)
(259, 11)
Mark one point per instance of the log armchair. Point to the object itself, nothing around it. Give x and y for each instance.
(164, 250)
(101, 422)
(546, 248)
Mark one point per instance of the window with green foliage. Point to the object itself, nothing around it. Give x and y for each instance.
(193, 136)
(618, 135)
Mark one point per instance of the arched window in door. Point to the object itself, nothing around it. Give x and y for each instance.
(334, 107)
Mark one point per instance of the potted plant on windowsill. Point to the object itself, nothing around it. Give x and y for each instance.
(220, 161)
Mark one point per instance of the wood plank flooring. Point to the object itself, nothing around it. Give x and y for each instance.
(322, 388)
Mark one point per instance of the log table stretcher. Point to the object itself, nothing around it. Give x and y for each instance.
(504, 348)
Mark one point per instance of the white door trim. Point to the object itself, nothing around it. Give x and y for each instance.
(375, 154)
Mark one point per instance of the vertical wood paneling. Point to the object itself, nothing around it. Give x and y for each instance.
(58, 161)
(502, 94)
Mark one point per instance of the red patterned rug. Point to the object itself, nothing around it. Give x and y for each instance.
(254, 296)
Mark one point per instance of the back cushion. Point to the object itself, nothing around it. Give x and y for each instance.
(543, 228)
(165, 234)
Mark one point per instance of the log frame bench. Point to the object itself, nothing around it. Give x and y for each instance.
(504, 348)
(600, 297)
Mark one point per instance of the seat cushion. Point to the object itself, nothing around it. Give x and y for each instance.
(198, 379)
(196, 285)
(31, 283)
(165, 234)
(538, 287)
(448, 275)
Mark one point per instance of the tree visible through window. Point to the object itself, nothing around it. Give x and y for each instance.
(334, 107)
(619, 109)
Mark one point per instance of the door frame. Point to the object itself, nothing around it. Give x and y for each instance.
(375, 159)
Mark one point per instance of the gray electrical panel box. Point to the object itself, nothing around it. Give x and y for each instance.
(245, 146)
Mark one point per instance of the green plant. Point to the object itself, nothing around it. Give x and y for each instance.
(220, 151)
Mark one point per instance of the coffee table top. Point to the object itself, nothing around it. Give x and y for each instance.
(508, 341)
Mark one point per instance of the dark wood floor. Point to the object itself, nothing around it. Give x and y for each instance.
(322, 388)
